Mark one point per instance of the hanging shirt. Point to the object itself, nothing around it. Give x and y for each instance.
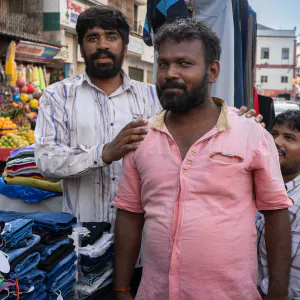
(199, 237)
(218, 15)
(76, 119)
(293, 189)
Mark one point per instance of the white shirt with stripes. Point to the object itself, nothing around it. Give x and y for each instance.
(76, 119)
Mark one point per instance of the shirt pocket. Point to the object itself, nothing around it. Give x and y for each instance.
(226, 158)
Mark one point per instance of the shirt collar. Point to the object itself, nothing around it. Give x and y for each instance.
(127, 83)
(292, 184)
(222, 124)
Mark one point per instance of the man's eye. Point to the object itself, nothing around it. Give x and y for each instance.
(162, 65)
(289, 138)
(111, 38)
(185, 64)
(92, 39)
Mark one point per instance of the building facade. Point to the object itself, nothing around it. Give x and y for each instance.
(275, 62)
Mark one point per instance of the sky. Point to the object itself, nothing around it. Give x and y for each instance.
(277, 14)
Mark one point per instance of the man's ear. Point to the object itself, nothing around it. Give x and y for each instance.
(214, 71)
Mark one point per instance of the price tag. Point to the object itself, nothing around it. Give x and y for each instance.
(4, 264)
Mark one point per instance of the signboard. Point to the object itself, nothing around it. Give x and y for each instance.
(67, 53)
(135, 45)
(36, 53)
(69, 12)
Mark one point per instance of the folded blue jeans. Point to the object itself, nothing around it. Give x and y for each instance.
(64, 290)
(71, 257)
(52, 220)
(38, 290)
(32, 241)
(91, 278)
(47, 250)
(27, 264)
(32, 278)
(15, 232)
(58, 282)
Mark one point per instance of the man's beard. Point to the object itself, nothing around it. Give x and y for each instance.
(185, 102)
(103, 70)
(287, 167)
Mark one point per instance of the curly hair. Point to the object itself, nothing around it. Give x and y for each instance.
(106, 17)
(290, 117)
(180, 30)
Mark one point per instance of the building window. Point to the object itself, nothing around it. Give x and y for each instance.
(284, 79)
(265, 53)
(285, 53)
(135, 18)
(263, 79)
(136, 74)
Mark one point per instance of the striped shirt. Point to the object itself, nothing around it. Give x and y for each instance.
(293, 189)
(76, 119)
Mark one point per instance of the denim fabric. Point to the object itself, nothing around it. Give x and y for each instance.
(51, 220)
(91, 278)
(64, 290)
(42, 296)
(49, 237)
(6, 283)
(32, 278)
(63, 278)
(27, 264)
(71, 257)
(47, 250)
(16, 231)
(4, 294)
(12, 254)
(38, 290)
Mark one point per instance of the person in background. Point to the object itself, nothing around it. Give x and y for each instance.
(189, 187)
(286, 133)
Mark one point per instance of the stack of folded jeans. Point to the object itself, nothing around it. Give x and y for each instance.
(22, 248)
(41, 255)
(96, 262)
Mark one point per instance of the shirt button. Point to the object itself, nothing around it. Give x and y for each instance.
(95, 163)
(189, 161)
(113, 179)
(193, 152)
(185, 169)
(111, 124)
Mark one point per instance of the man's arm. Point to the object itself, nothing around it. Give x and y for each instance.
(128, 236)
(278, 244)
(54, 156)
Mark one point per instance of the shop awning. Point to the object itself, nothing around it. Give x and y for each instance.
(18, 37)
(35, 52)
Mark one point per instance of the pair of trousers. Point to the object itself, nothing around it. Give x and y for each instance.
(15, 232)
(52, 220)
(32, 241)
(49, 263)
(64, 290)
(49, 249)
(35, 294)
(101, 260)
(26, 265)
(70, 259)
(32, 278)
(61, 279)
(49, 237)
(96, 231)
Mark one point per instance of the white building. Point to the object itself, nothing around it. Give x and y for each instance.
(275, 61)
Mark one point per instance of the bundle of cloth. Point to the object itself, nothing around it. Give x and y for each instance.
(96, 262)
(40, 253)
(21, 169)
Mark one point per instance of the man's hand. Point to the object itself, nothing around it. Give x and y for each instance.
(127, 140)
(251, 113)
(123, 296)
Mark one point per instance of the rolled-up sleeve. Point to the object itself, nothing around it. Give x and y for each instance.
(268, 182)
(129, 192)
(54, 156)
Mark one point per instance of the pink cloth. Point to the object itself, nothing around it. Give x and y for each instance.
(199, 240)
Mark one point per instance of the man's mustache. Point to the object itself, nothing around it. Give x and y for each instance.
(173, 85)
(99, 52)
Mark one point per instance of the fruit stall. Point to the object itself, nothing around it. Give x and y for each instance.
(23, 78)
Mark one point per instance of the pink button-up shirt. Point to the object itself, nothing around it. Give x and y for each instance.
(199, 240)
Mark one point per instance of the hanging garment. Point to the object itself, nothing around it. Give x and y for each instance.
(255, 99)
(218, 15)
(160, 11)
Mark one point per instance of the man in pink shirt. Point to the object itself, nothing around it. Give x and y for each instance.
(194, 184)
